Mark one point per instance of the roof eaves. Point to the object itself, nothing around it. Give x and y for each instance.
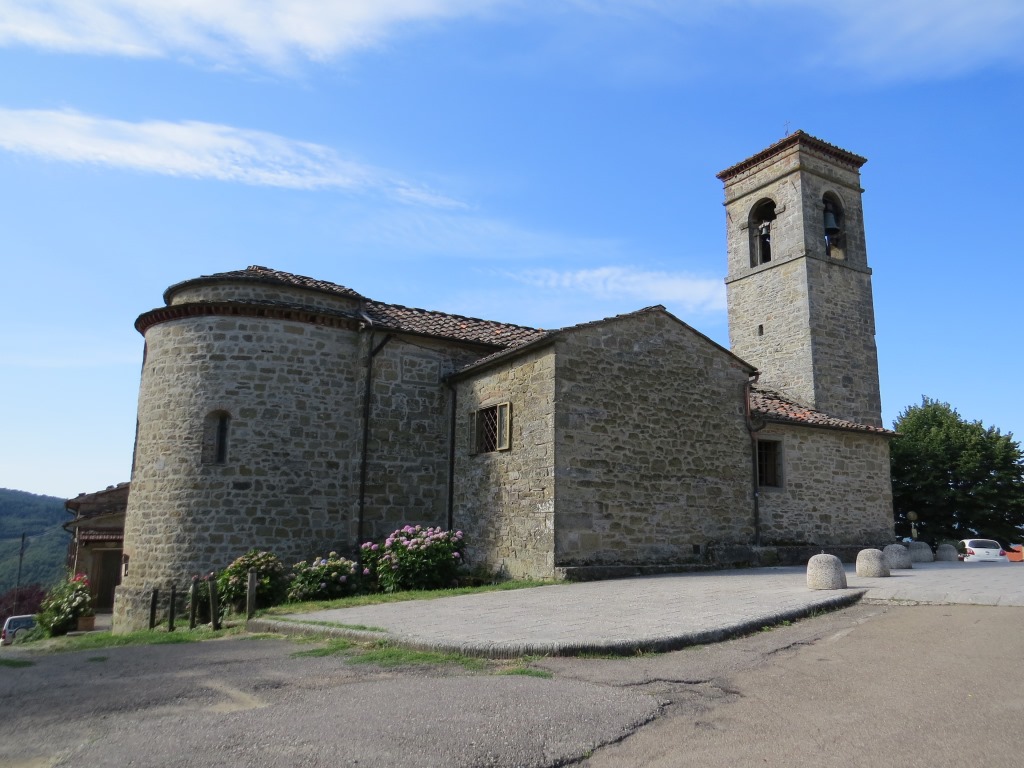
(502, 356)
(793, 139)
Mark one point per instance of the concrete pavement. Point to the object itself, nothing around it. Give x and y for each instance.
(653, 613)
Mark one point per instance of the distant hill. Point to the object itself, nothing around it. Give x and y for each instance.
(40, 518)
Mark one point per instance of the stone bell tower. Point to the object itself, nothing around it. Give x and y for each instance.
(799, 286)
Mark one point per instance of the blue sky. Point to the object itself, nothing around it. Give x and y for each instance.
(537, 163)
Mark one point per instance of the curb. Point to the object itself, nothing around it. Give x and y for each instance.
(510, 650)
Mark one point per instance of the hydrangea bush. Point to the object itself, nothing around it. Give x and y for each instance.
(323, 578)
(414, 557)
(271, 580)
(63, 604)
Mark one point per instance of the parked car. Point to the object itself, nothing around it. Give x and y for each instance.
(976, 550)
(14, 625)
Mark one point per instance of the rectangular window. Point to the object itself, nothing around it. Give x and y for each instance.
(492, 428)
(769, 463)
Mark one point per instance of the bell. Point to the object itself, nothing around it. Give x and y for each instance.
(831, 225)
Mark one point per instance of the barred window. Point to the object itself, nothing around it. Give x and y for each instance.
(492, 428)
(769, 463)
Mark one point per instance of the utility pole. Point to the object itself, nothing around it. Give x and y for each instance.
(17, 587)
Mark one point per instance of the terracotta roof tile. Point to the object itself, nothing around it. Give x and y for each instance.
(267, 275)
(774, 407)
(393, 317)
(442, 325)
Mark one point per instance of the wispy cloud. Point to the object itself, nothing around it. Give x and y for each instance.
(202, 151)
(933, 38)
(468, 233)
(685, 291)
(273, 32)
(893, 38)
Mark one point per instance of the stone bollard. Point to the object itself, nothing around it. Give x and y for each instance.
(825, 572)
(947, 553)
(920, 552)
(897, 556)
(871, 564)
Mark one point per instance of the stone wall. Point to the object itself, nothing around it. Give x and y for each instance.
(292, 392)
(769, 326)
(652, 455)
(505, 500)
(294, 396)
(835, 489)
(407, 450)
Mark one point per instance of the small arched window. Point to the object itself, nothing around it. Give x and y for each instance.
(216, 427)
(762, 219)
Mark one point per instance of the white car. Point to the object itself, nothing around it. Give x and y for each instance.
(14, 625)
(978, 550)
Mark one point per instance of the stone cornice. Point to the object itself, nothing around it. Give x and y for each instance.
(797, 139)
(268, 310)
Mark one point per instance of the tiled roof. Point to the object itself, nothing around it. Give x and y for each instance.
(393, 317)
(442, 325)
(772, 406)
(525, 341)
(797, 137)
(267, 275)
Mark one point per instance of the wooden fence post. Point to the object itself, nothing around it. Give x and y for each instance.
(214, 604)
(170, 613)
(193, 602)
(250, 595)
(152, 608)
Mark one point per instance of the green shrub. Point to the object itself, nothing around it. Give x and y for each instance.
(414, 558)
(271, 581)
(64, 603)
(323, 578)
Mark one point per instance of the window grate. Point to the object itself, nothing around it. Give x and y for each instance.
(491, 428)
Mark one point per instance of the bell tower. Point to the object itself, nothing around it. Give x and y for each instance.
(798, 285)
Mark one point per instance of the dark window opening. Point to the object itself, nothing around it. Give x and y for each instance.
(220, 452)
(215, 437)
(491, 428)
(769, 469)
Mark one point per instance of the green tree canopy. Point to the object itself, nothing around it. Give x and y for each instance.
(961, 478)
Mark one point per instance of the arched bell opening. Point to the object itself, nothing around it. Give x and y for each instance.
(833, 221)
(762, 219)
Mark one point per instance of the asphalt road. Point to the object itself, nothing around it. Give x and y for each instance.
(872, 685)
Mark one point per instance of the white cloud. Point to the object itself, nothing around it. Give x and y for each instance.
(935, 38)
(272, 32)
(466, 234)
(882, 38)
(202, 151)
(687, 292)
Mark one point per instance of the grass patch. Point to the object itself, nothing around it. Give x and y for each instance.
(15, 663)
(527, 672)
(332, 647)
(356, 601)
(384, 655)
(95, 640)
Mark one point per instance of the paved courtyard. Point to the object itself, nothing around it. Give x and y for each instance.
(648, 613)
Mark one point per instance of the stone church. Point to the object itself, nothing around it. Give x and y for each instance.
(298, 416)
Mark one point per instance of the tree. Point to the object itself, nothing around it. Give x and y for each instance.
(961, 478)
